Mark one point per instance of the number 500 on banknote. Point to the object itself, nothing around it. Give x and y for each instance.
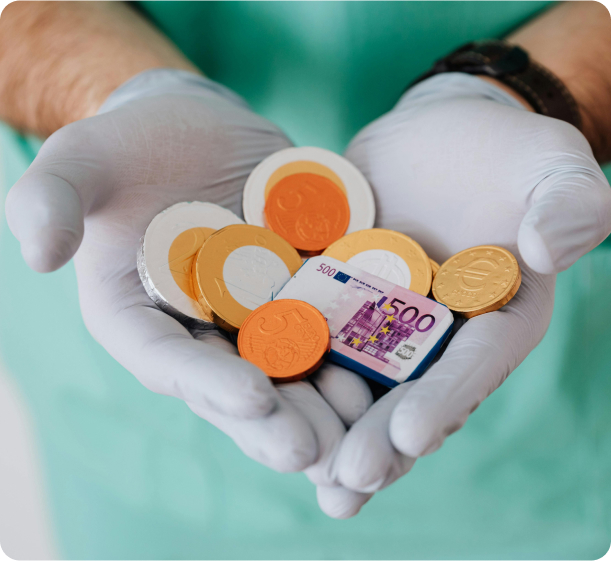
(378, 329)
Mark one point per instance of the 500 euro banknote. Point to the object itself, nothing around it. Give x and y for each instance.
(378, 329)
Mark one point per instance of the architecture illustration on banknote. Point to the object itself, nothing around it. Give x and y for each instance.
(372, 331)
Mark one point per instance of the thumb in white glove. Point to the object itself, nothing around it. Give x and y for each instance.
(164, 137)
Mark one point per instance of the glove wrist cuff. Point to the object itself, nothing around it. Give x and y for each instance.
(161, 81)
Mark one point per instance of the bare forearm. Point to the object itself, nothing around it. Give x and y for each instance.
(60, 60)
(573, 40)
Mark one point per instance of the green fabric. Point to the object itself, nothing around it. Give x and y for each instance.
(323, 70)
(131, 474)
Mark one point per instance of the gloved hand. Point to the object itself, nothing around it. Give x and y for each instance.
(458, 163)
(164, 137)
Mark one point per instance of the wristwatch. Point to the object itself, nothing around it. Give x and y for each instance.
(512, 66)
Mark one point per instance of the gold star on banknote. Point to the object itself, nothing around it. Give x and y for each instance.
(356, 342)
(373, 339)
(385, 330)
(386, 307)
(390, 319)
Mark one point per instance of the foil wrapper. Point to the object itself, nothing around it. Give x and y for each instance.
(165, 256)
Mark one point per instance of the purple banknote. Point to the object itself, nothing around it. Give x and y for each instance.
(378, 329)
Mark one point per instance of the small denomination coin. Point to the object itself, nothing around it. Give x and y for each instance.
(387, 254)
(314, 161)
(309, 211)
(287, 339)
(166, 253)
(477, 280)
(240, 268)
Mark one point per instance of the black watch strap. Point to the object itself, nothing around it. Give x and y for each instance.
(512, 66)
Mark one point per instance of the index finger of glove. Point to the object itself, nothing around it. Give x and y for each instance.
(346, 392)
(283, 440)
(367, 460)
(165, 357)
(477, 361)
(325, 423)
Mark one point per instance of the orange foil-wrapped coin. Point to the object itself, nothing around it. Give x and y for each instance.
(308, 210)
(287, 339)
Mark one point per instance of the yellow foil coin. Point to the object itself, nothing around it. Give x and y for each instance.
(387, 254)
(240, 268)
(181, 254)
(477, 280)
(434, 267)
(293, 168)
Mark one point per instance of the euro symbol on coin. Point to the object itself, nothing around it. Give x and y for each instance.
(477, 280)
(474, 278)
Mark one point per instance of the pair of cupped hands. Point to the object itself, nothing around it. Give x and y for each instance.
(456, 163)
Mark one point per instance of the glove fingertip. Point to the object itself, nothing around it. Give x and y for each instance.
(534, 250)
(293, 450)
(293, 460)
(413, 433)
(250, 406)
(50, 248)
(363, 465)
(253, 398)
(340, 503)
(347, 393)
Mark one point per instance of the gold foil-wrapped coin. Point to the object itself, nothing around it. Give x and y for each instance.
(387, 254)
(477, 280)
(240, 268)
(434, 267)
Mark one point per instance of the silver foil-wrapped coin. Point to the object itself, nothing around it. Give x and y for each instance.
(166, 253)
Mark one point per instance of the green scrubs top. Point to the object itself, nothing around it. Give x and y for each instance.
(131, 474)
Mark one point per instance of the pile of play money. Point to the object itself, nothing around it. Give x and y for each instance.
(366, 298)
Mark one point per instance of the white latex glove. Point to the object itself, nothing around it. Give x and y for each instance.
(164, 137)
(458, 163)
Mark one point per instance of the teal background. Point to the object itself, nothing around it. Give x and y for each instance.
(131, 474)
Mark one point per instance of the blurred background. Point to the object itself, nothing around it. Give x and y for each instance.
(92, 465)
(25, 523)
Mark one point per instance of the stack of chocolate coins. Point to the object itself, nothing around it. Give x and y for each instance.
(372, 300)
